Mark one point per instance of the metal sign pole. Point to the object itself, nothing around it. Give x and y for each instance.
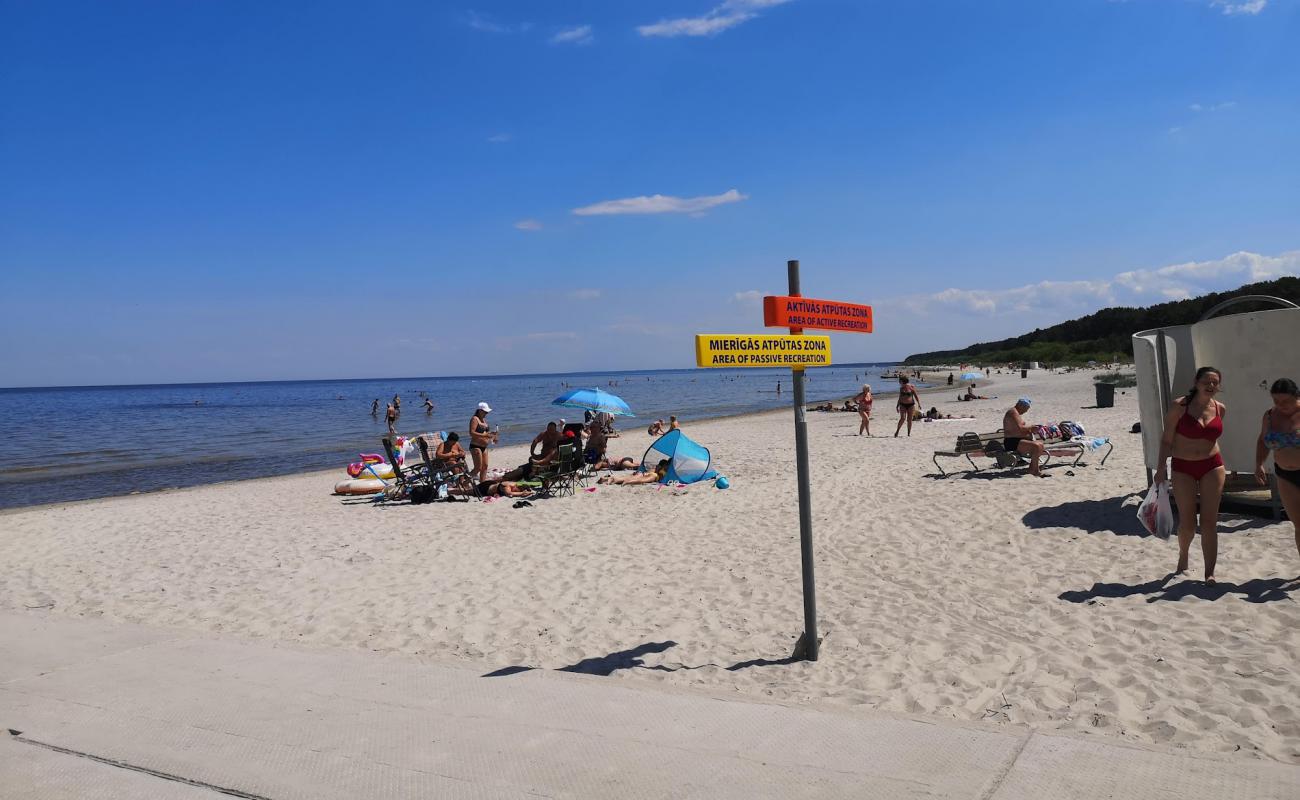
(810, 643)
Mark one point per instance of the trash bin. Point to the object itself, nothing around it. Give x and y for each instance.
(1105, 395)
(1024, 373)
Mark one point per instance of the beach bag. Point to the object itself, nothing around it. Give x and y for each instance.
(1155, 513)
(1069, 430)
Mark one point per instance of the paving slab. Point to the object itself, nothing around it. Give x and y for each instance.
(275, 721)
(36, 773)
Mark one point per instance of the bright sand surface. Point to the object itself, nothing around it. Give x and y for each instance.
(986, 596)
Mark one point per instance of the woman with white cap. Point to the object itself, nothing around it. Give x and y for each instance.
(480, 437)
(864, 401)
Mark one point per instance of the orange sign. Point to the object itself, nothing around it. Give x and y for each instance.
(807, 312)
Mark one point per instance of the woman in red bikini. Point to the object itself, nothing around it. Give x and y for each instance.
(1192, 430)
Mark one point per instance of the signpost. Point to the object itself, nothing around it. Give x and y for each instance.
(795, 351)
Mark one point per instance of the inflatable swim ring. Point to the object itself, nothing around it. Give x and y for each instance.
(359, 487)
(356, 468)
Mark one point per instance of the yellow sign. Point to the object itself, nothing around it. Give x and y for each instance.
(744, 350)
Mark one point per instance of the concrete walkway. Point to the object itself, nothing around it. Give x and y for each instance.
(120, 711)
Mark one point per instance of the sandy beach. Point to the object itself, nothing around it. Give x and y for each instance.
(981, 596)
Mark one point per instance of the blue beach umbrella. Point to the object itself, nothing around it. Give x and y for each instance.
(594, 400)
(972, 376)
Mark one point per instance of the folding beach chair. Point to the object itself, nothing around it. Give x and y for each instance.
(445, 476)
(410, 482)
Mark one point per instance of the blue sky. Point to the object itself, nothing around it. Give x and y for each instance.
(250, 190)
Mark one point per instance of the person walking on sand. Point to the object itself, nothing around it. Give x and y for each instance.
(1018, 437)
(673, 424)
(390, 416)
(1280, 433)
(907, 400)
(864, 401)
(1191, 436)
(480, 437)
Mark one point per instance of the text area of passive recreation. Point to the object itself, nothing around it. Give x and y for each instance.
(744, 350)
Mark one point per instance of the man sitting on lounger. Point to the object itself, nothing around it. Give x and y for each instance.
(549, 439)
(1019, 436)
(639, 478)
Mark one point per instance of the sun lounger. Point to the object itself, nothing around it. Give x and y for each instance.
(989, 445)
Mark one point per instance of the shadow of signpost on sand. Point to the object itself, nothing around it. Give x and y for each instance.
(632, 659)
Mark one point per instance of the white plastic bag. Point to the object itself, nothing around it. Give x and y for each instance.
(1156, 514)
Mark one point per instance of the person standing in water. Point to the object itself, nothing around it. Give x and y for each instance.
(778, 387)
(864, 401)
(428, 406)
(390, 416)
(397, 403)
(1280, 433)
(1191, 436)
(907, 400)
(374, 408)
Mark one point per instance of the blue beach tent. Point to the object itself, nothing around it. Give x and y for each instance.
(688, 460)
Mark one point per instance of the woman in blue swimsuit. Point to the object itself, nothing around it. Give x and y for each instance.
(1280, 434)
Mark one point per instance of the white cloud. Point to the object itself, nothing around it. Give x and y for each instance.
(1213, 107)
(721, 17)
(585, 294)
(499, 138)
(660, 204)
(528, 225)
(753, 297)
(580, 34)
(1135, 288)
(1235, 7)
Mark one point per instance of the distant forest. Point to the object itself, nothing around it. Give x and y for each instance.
(1106, 335)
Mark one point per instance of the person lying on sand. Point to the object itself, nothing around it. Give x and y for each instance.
(502, 488)
(616, 465)
(970, 394)
(640, 478)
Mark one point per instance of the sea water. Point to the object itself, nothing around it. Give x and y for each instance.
(77, 443)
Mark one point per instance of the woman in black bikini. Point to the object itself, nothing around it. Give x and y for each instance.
(1279, 434)
(907, 400)
(480, 436)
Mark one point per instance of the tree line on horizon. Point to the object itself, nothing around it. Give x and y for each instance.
(1106, 335)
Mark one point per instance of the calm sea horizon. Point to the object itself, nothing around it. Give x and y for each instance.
(82, 442)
